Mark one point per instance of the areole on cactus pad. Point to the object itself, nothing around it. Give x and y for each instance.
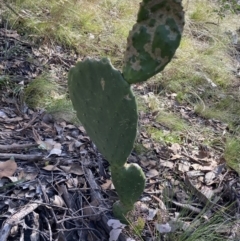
(103, 99)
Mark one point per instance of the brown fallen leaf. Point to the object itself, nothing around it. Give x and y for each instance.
(175, 148)
(29, 176)
(57, 150)
(183, 167)
(106, 185)
(7, 168)
(152, 173)
(167, 164)
(58, 201)
(92, 210)
(51, 168)
(74, 168)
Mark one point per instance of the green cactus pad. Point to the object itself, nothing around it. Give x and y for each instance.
(153, 40)
(129, 181)
(121, 212)
(105, 106)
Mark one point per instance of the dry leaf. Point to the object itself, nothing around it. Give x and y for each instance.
(114, 234)
(3, 114)
(213, 174)
(195, 173)
(166, 164)
(145, 162)
(175, 148)
(51, 168)
(13, 179)
(209, 177)
(58, 201)
(57, 150)
(147, 145)
(163, 228)
(106, 185)
(117, 228)
(91, 211)
(151, 213)
(152, 173)
(76, 169)
(28, 176)
(203, 154)
(7, 168)
(183, 168)
(175, 157)
(207, 192)
(65, 168)
(69, 126)
(73, 182)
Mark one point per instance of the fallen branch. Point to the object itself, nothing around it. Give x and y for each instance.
(16, 147)
(23, 157)
(15, 219)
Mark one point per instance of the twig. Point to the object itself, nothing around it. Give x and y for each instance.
(16, 147)
(48, 205)
(46, 199)
(15, 219)
(29, 123)
(79, 228)
(49, 228)
(194, 159)
(23, 157)
(186, 206)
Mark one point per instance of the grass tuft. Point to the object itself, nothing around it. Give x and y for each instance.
(232, 154)
(62, 109)
(38, 93)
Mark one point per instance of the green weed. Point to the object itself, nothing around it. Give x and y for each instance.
(163, 136)
(232, 153)
(62, 109)
(39, 92)
(171, 121)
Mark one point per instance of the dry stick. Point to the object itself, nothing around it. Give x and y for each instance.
(35, 115)
(23, 157)
(16, 147)
(49, 228)
(97, 195)
(15, 219)
(46, 199)
(62, 189)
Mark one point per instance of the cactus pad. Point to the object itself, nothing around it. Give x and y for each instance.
(129, 181)
(154, 39)
(105, 106)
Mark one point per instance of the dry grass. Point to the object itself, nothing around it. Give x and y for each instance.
(93, 28)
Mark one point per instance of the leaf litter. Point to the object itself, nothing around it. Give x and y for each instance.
(55, 184)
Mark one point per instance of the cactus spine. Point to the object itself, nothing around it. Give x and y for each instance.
(103, 99)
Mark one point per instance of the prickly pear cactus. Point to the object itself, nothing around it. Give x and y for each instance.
(105, 106)
(107, 109)
(153, 40)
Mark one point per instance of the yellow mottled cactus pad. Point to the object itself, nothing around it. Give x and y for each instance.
(154, 39)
